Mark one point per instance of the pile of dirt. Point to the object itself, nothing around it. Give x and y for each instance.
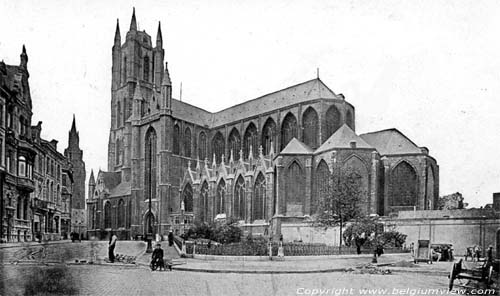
(368, 269)
(125, 259)
(404, 264)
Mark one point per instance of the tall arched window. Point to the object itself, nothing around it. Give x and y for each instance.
(204, 202)
(150, 165)
(404, 185)
(118, 114)
(259, 201)
(321, 186)
(124, 70)
(220, 199)
(239, 199)
(295, 184)
(218, 146)
(107, 215)
(121, 213)
(52, 195)
(187, 197)
(234, 143)
(146, 69)
(202, 146)
(176, 148)
(46, 193)
(333, 122)
(93, 218)
(250, 140)
(288, 129)
(118, 151)
(358, 175)
(187, 142)
(349, 119)
(311, 128)
(149, 222)
(269, 136)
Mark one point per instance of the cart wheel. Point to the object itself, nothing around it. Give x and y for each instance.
(451, 276)
(489, 280)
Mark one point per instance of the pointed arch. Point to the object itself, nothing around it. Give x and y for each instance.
(321, 185)
(202, 146)
(220, 198)
(150, 164)
(288, 129)
(218, 146)
(349, 119)
(356, 165)
(149, 222)
(310, 123)
(403, 185)
(187, 197)
(259, 200)
(187, 142)
(176, 141)
(203, 202)
(121, 213)
(107, 214)
(332, 121)
(118, 114)
(295, 184)
(269, 136)
(118, 151)
(234, 143)
(250, 140)
(239, 199)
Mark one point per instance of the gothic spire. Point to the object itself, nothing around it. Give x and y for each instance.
(133, 22)
(166, 76)
(24, 58)
(73, 125)
(92, 179)
(159, 39)
(117, 33)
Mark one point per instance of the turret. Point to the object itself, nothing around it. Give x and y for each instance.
(74, 137)
(24, 59)
(158, 56)
(166, 89)
(133, 22)
(91, 184)
(117, 53)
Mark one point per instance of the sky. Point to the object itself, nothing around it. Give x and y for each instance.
(429, 68)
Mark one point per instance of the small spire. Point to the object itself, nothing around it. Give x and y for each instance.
(241, 155)
(250, 154)
(24, 49)
(222, 160)
(159, 39)
(133, 22)
(73, 125)
(271, 150)
(118, 38)
(24, 57)
(138, 92)
(92, 179)
(317, 73)
(214, 163)
(198, 163)
(166, 77)
(189, 165)
(231, 159)
(261, 155)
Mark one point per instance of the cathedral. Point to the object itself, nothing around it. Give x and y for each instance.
(264, 162)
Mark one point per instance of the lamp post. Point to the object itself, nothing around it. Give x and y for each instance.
(149, 235)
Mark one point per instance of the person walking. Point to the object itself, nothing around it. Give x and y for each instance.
(170, 238)
(111, 247)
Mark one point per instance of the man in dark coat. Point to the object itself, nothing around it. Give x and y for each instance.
(170, 238)
(157, 258)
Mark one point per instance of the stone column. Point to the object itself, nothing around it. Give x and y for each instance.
(306, 209)
(374, 184)
(386, 185)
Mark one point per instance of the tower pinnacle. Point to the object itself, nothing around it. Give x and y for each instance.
(133, 22)
(24, 58)
(159, 39)
(117, 33)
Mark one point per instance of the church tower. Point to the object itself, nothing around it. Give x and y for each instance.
(75, 156)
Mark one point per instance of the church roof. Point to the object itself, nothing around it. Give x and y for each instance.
(296, 147)
(110, 179)
(123, 189)
(390, 142)
(343, 138)
(306, 91)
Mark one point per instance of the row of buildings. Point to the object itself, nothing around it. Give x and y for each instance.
(42, 191)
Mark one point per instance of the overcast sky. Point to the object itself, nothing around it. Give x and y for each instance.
(428, 68)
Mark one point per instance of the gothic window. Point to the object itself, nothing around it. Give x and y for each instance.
(349, 119)
(295, 184)
(250, 140)
(124, 70)
(404, 185)
(220, 199)
(288, 129)
(202, 146)
(118, 150)
(176, 143)
(121, 213)
(107, 215)
(93, 217)
(311, 128)
(332, 122)
(118, 114)
(149, 222)
(187, 142)
(204, 202)
(321, 182)
(218, 146)
(187, 196)
(150, 165)
(234, 143)
(145, 76)
(129, 214)
(269, 136)
(239, 199)
(259, 201)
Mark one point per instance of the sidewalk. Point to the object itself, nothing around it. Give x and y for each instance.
(35, 243)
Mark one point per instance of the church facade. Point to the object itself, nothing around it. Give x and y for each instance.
(263, 162)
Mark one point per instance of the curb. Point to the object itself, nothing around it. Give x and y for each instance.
(27, 244)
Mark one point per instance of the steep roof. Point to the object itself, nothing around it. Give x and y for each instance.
(306, 91)
(296, 147)
(391, 141)
(342, 138)
(110, 179)
(123, 189)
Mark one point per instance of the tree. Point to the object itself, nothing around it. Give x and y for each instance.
(453, 201)
(340, 202)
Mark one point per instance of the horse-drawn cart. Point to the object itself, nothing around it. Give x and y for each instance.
(423, 252)
(484, 274)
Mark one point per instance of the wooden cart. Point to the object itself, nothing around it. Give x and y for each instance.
(483, 274)
(423, 251)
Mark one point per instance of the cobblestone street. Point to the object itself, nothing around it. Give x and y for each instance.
(119, 280)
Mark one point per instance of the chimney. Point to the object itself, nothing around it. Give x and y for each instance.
(352, 144)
